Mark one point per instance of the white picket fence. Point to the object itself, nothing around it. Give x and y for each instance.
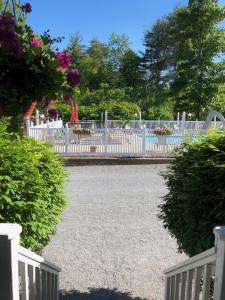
(113, 142)
(202, 277)
(24, 275)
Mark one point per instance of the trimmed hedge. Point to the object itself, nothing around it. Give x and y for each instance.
(31, 187)
(195, 202)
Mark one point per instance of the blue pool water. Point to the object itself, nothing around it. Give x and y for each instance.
(171, 139)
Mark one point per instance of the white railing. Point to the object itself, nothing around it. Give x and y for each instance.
(202, 277)
(151, 124)
(49, 124)
(113, 142)
(24, 275)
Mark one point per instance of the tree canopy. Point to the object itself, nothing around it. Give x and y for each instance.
(180, 69)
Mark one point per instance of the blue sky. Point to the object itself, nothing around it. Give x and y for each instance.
(99, 18)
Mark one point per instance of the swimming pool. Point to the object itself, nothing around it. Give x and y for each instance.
(170, 139)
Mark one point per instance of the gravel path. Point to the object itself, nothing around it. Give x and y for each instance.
(110, 236)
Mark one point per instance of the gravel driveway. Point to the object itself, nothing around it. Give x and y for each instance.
(110, 236)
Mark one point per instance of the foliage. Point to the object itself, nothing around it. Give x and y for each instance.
(198, 72)
(118, 46)
(117, 110)
(130, 69)
(164, 111)
(195, 202)
(104, 93)
(184, 50)
(63, 109)
(31, 189)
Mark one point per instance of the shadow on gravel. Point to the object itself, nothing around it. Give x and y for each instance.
(97, 294)
(69, 162)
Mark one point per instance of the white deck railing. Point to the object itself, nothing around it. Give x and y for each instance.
(24, 275)
(113, 142)
(202, 277)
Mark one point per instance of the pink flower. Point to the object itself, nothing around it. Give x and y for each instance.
(36, 42)
(63, 59)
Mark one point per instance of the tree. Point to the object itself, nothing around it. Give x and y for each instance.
(76, 50)
(201, 43)
(160, 44)
(118, 45)
(132, 75)
(104, 94)
(155, 58)
(159, 63)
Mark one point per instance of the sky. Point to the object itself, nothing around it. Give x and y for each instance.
(99, 18)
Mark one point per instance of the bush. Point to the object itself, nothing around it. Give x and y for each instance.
(195, 202)
(31, 187)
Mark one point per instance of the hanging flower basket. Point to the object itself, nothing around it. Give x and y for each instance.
(163, 131)
(82, 131)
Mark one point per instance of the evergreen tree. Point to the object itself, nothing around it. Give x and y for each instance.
(131, 72)
(198, 74)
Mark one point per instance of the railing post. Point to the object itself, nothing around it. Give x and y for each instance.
(219, 290)
(106, 141)
(67, 138)
(144, 142)
(9, 278)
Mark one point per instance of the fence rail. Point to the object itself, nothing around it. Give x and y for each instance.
(114, 142)
(201, 277)
(24, 275)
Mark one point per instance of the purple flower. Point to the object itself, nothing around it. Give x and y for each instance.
(63, 59)
(73, 78)
(67, 100)
(26, 8)
(53, 113)
(8, 36)
(7, 22)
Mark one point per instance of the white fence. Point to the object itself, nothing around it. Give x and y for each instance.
(24, 275)
(202, 277)
(151, 124)
(113, 142)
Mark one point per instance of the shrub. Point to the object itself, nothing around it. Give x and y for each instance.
(195, 202)
(31, 187)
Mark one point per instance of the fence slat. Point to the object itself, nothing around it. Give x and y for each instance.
(183, 285)
(177, 287)
(197, 278)
(206, 281)
(22, 281)
(172, 287)
(31, 282)
(167, 289)
(38, 283)
(189, 285)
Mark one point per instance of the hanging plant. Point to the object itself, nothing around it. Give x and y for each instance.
(29, 66)
(163, 131)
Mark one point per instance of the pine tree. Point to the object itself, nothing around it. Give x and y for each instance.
(198, 74)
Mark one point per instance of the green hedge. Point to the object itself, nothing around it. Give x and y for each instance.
(195, 202)
(31, 187)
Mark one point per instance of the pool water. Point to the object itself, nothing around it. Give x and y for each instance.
(171, 139)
